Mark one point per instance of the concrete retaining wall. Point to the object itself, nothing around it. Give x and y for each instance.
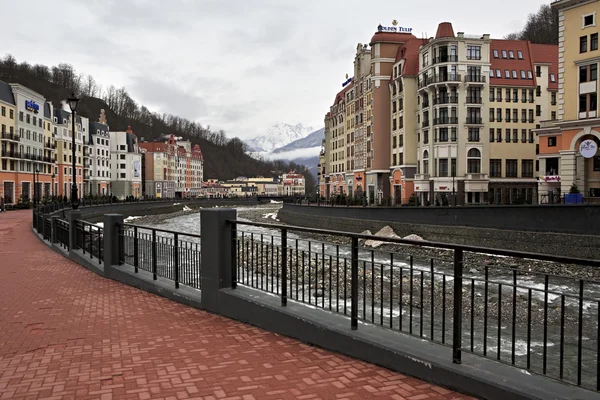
(358, 220)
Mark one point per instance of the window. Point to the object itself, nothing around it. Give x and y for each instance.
(425, 162)
(499, 114)
(552, 78)
(588, 20)
(582, 103)
(538, 110)
(443, 169)
(507, 137)
(583, 44)
(473, 52)
(473, 134)
(523, 76)
(529, 75)
(523, 115)
(508, 115)
(492, 115)
(3, 111)
(498, 74)
(11, 114)
(514, 74)
(593, 41)
(499, 94)
(503, 53)
(524, 135)
(511, 168)
(491, 135)
(21, 116)
(515, 115)
(527, 168)
(496, 168)
(491, 73)
(511, 54)
(492, 92)
(538, 91)
(552, 141)
(507, 73)
(553, 117)
(520, 54)
(553, 98)
(495, 53)
(473, 161)
(593, 72)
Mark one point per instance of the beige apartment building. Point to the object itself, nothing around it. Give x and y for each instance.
(457, 122)
(568, 147)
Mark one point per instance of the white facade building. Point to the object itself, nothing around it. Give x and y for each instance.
(97, 156)
(125, 164)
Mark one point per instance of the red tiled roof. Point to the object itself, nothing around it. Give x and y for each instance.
(341, 94)
(393, 37)
(409, 52)
(444, 30)
(547, 54)
(511, 64)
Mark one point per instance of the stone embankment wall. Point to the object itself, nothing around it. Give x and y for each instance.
(566, 231)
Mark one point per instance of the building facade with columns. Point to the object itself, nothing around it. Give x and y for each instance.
(568, 153)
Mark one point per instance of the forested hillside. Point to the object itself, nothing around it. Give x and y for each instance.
(224, 158)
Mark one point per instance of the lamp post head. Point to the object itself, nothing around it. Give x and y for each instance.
(73, 101)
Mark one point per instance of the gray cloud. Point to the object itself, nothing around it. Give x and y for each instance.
(234, 64)
(168, 97)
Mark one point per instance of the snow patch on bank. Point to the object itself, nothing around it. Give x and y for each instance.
(132, 218)
(387, 232)
(272, 215)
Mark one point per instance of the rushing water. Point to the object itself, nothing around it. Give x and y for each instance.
(419, 299)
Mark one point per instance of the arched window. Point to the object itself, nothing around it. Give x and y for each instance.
(425, 162)
(474, 161)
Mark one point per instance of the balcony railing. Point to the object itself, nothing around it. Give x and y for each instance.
(445, 58)
(474, 100)
(421, 177)
(49, 145)
(425, 124)
(475, 78)
(474, 120)
(11, 136)
(445, 120)
(445, 100)
(11, 153)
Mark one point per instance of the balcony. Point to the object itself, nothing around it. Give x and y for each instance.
(425, 124)
(474, 121)
(10, 136)
(477, 176)
(444, 78)
(444, 58)
(425, 104)
(445, 121)
(475, 79)
(445, 100)
(11, 153)
(49, 145)
(474, 100)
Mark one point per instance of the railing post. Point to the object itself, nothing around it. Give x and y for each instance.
(53, 229)
(284, 267)
(176, 258)
(74, 215)
(234, 255)
(216, 255)
(154, 261)
(457, 315)
(354, 285)
(113, 241)
(135, 249)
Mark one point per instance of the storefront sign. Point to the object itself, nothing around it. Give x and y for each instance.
(550, 178)
(32, 106)
(394, 28)
(588, 148)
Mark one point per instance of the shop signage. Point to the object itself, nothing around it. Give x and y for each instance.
(550, 178)
(32, 106)
(394, 28)
(588, 148)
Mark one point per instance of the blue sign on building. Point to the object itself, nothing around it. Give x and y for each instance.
(32, 106)
(347, 82)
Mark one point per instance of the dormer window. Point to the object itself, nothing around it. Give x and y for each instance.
(552, 78)
(511, 54)
(495, 53)
(507, 73)
(520, 54)
(503, 53)
(514, 74)
(498, 74)
(529, 75)
(523, 76)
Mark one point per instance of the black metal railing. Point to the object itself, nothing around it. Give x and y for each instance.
(47, 230)
(62, 233)
(90, 239)
(533, 311)
(164, 253)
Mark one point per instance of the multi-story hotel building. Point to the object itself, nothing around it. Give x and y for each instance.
(460, 115)
(125, 164)
(568, 147)
(97, 158)
(26, 144)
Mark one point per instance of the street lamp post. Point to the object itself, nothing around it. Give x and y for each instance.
(35, 171)
(73, 101)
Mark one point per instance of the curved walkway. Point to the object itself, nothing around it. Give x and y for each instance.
(66, 333)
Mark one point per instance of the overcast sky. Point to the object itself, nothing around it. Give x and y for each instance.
(237, 65)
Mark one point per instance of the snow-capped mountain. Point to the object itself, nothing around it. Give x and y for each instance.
(311, 141)
(277, 136)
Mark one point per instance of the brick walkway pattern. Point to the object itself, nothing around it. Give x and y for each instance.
(67, 333)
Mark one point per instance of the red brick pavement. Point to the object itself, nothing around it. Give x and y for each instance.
(67, 333)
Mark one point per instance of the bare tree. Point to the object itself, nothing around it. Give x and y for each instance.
(541, 27)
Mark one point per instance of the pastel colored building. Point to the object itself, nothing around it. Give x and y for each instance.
(125, 164)
(568, 147)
